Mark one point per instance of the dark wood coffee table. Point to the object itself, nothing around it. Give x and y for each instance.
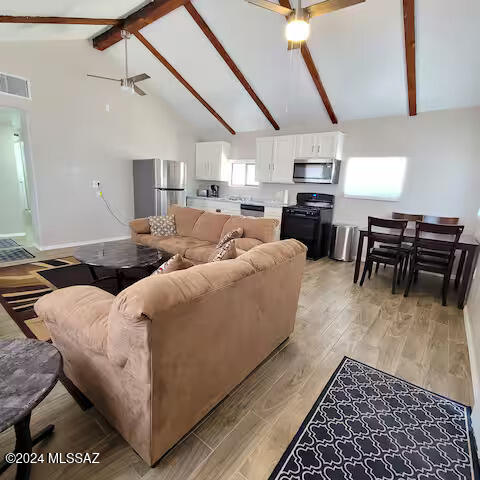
(120, 256)
(29, 370)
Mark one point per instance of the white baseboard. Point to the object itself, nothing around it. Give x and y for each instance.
(78, 244)
(474, 370)
(8, 235)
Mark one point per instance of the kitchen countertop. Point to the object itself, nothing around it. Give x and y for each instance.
(265, 203)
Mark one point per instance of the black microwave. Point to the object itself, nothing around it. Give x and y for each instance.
(316, 170)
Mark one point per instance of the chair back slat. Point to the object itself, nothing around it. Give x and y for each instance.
(434, 236)
(394, 235)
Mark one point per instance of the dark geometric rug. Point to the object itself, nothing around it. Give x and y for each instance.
(14, 254)
(8, 243)
(368, 425)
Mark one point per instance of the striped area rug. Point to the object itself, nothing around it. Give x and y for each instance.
(21, 286)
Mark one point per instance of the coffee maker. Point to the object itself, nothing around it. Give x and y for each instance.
(214, 189)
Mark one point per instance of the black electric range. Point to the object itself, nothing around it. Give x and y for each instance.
(310, 221)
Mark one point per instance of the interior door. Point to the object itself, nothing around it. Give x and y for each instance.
(283, 155)
(306, 145)
(263, 166)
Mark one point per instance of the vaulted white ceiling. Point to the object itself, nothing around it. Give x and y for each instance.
(358, 51)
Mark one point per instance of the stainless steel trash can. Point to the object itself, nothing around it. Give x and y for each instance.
(342, 243)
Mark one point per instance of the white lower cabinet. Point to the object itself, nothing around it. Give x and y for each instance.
(216, 206)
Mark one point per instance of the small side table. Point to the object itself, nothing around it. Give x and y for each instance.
(30, 369)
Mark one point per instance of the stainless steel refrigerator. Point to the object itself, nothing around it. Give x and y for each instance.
(157, 184)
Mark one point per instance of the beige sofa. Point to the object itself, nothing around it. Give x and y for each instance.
(158, 357)
(198, 232)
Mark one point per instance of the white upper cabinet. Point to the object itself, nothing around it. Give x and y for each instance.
(320, 145)
(274, 163)
(283, 155)
(306, 145)
(212, 161)
(263, 162)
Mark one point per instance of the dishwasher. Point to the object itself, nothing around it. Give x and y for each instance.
(248, 210)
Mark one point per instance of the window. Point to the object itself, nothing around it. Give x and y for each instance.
(375, 178)
(243, 175)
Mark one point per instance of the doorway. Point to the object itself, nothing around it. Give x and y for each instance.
(16, 220)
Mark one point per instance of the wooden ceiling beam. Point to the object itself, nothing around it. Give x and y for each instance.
(177, 75)
(60, 20)
(307, 57)
(409, 27)
(136, 21)
(228, 60)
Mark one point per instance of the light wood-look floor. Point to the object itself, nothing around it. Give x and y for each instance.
(243, 438)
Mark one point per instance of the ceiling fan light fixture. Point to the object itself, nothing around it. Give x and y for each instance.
(297, 30)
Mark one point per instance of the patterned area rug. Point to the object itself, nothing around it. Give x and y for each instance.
(369, 425)
(8, 243)
(14, 254)
(21, 286)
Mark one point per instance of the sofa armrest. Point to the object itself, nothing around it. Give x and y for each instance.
(140, 225)
(79, 312)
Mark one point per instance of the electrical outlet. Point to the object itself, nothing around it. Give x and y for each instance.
(95, 184)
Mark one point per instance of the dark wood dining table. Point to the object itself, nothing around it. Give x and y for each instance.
(468, 244)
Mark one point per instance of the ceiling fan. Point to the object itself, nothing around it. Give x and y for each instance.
(298, 26)
(127, 83)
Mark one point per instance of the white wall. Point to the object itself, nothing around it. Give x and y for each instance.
(472, 327)
(443, 151)
(74, 140)
(11, 208)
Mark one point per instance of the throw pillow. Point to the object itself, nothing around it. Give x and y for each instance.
(162, 226)
(177, 262)
(225, 252)
(237, 233)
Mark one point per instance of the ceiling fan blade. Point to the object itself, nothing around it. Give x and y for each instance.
(330, 6)
(274, 7)
(138, 78)
(139, 91)
(104, 78)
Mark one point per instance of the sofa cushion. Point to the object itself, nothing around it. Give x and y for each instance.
(262, 229)
(246, 243)
(226, 252)
(267, 255)
(200, 254)
(209, 226)
(140, 225)
(162, 226)
(80, 312)
(173, 244)
(185, 219)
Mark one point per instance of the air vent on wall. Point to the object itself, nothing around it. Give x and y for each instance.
(11, 85)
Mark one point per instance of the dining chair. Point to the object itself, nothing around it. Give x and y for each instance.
(389, 256)
(407, 248)
(448, 221)
(427, 236)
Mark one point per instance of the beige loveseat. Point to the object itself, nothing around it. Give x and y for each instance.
(198, 232)
(158, 357)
